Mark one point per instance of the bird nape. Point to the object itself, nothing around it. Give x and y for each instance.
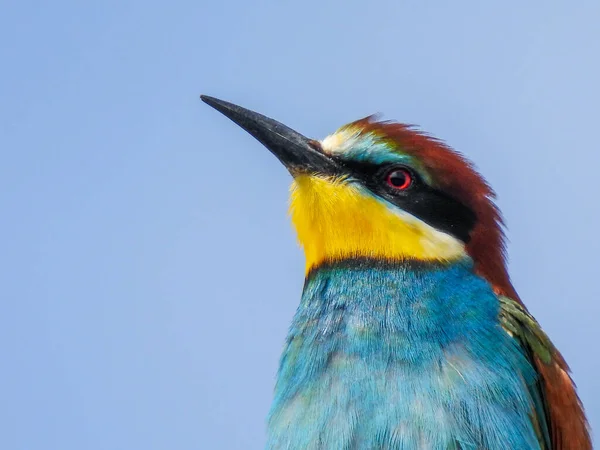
(409, 333)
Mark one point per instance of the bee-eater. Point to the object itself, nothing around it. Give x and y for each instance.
(409, 334)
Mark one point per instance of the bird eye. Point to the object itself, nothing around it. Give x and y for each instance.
(399, 179)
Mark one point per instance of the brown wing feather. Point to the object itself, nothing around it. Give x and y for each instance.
(562, 411)
(568, 426)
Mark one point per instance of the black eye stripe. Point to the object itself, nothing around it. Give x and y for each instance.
(429, 204)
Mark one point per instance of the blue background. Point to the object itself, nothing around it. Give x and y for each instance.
(148, 271)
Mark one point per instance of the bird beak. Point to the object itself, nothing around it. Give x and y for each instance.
(296, 152)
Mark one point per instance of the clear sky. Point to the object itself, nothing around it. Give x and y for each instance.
(148, 270)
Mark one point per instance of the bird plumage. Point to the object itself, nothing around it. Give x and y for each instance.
(409, 333)
(419, 361)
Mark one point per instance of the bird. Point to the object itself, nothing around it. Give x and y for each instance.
(409, 333)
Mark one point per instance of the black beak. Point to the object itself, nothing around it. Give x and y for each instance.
(297, 153)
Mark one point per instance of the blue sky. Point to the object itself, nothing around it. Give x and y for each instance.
(149, 271)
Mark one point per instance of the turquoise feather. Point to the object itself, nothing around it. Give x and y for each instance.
(406, 356)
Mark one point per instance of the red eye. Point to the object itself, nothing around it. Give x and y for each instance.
(399, 179)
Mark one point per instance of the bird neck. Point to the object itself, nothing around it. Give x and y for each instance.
(368, 334)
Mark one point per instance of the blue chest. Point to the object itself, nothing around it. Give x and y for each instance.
(404, 357)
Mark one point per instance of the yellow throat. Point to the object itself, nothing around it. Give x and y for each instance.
(337, 220)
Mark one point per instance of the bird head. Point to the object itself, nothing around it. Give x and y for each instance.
(383, 191)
